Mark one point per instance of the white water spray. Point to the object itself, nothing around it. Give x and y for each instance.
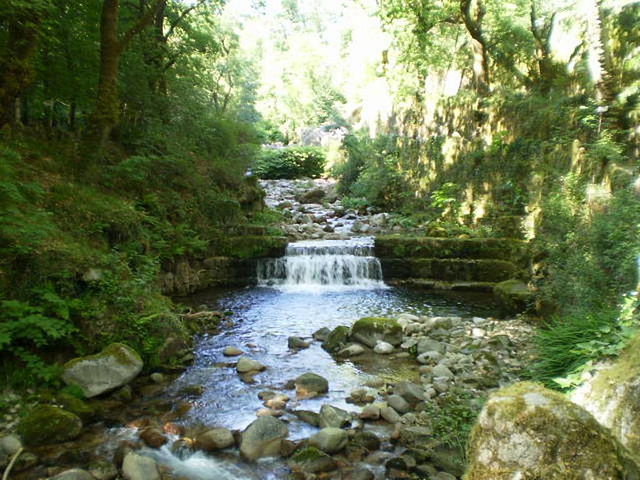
(324, 264)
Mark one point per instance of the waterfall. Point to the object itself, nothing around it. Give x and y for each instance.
(324, 263)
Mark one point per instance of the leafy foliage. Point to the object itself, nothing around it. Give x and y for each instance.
(290, 162)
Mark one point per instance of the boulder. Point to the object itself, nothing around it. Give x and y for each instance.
(411, 392)
(46, 424)
(331, 416)
(137, 467)
(383, 348)
(527, 431)
(297, 343)
(311, 461)
(370, 330)
(246, 365)
(322, 334)
(309, 384)
(337, 339)
(351, 351)
(612, 396)
(232, 352)
(214, 439)
(10, 444)
(398, 403)
(153, 437)
(112, 368)
(367, 440)
(370, 412)
(329, 440)
(311, 196)
(513, 295)
(73, 474)
(427, 345)
(263, 438)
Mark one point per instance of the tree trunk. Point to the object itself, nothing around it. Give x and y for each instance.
(599, 57)
(542, 36)
(473, 13)
(106, 113)
(15, 64)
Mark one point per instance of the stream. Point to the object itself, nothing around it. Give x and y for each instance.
(321, 283)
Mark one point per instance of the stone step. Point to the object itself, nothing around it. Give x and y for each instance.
(432, 284)
(460, 248)
(448, 269)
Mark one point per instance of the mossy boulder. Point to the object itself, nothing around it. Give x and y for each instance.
(337, 339)
(311, 460)
(263, 438)
(612, 396)
(77, 406)
(46, 424)
(527, 431)
(370, 330)
(513, 295)
(112, 368)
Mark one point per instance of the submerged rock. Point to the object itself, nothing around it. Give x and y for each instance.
(370, 330)
(46, 424)
(514, 295)
(137, 467)
(263, 438)
(526, 431)
(112, 368)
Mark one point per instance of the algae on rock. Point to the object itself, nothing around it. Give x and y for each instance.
(45, 424)
(612, 396)
(527, 431)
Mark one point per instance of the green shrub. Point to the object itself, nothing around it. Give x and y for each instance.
(290, 162)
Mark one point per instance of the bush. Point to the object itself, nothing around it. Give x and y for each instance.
(290, 162)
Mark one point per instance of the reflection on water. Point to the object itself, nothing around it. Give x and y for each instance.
(263, 320)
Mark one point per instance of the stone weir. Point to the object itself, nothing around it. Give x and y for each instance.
(452, 263)
(230, 262)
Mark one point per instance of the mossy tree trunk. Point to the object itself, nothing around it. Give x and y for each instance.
(473, 13)
(106, 113)
(23, 27)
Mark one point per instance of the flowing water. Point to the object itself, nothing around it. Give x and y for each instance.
(317, 284)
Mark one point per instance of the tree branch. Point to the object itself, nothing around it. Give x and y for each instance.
(142, 22)
(181, 17)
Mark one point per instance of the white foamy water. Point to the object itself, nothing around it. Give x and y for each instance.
(320, 265)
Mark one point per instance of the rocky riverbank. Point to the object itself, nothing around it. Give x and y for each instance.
(403, 428)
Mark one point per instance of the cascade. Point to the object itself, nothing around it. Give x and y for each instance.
(324, 263)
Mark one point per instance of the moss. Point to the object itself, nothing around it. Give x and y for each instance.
(312, 460)
(123, 353)
(513, 295)
(337, 339)
(252, 246)
(46, 424)
(613, 394)
(449, 269)
(467, 248)
(369, 330)
(528, 429)
(77, 406)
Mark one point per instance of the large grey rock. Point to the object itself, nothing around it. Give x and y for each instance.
(351, 351)
(112, 368)
(10, 444)
(246, 365)
(311, 384)
(527, 431)
(311, 196)
(383, 348)
(398, 403)
(214, 439)
(311, 461)
(428, 345)
(263, 438)
(137, 467)
(46, 424)
(612, 396)
(329, 440)
(331, 416)
(73, 474)
(411, 392)
(370, 330)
